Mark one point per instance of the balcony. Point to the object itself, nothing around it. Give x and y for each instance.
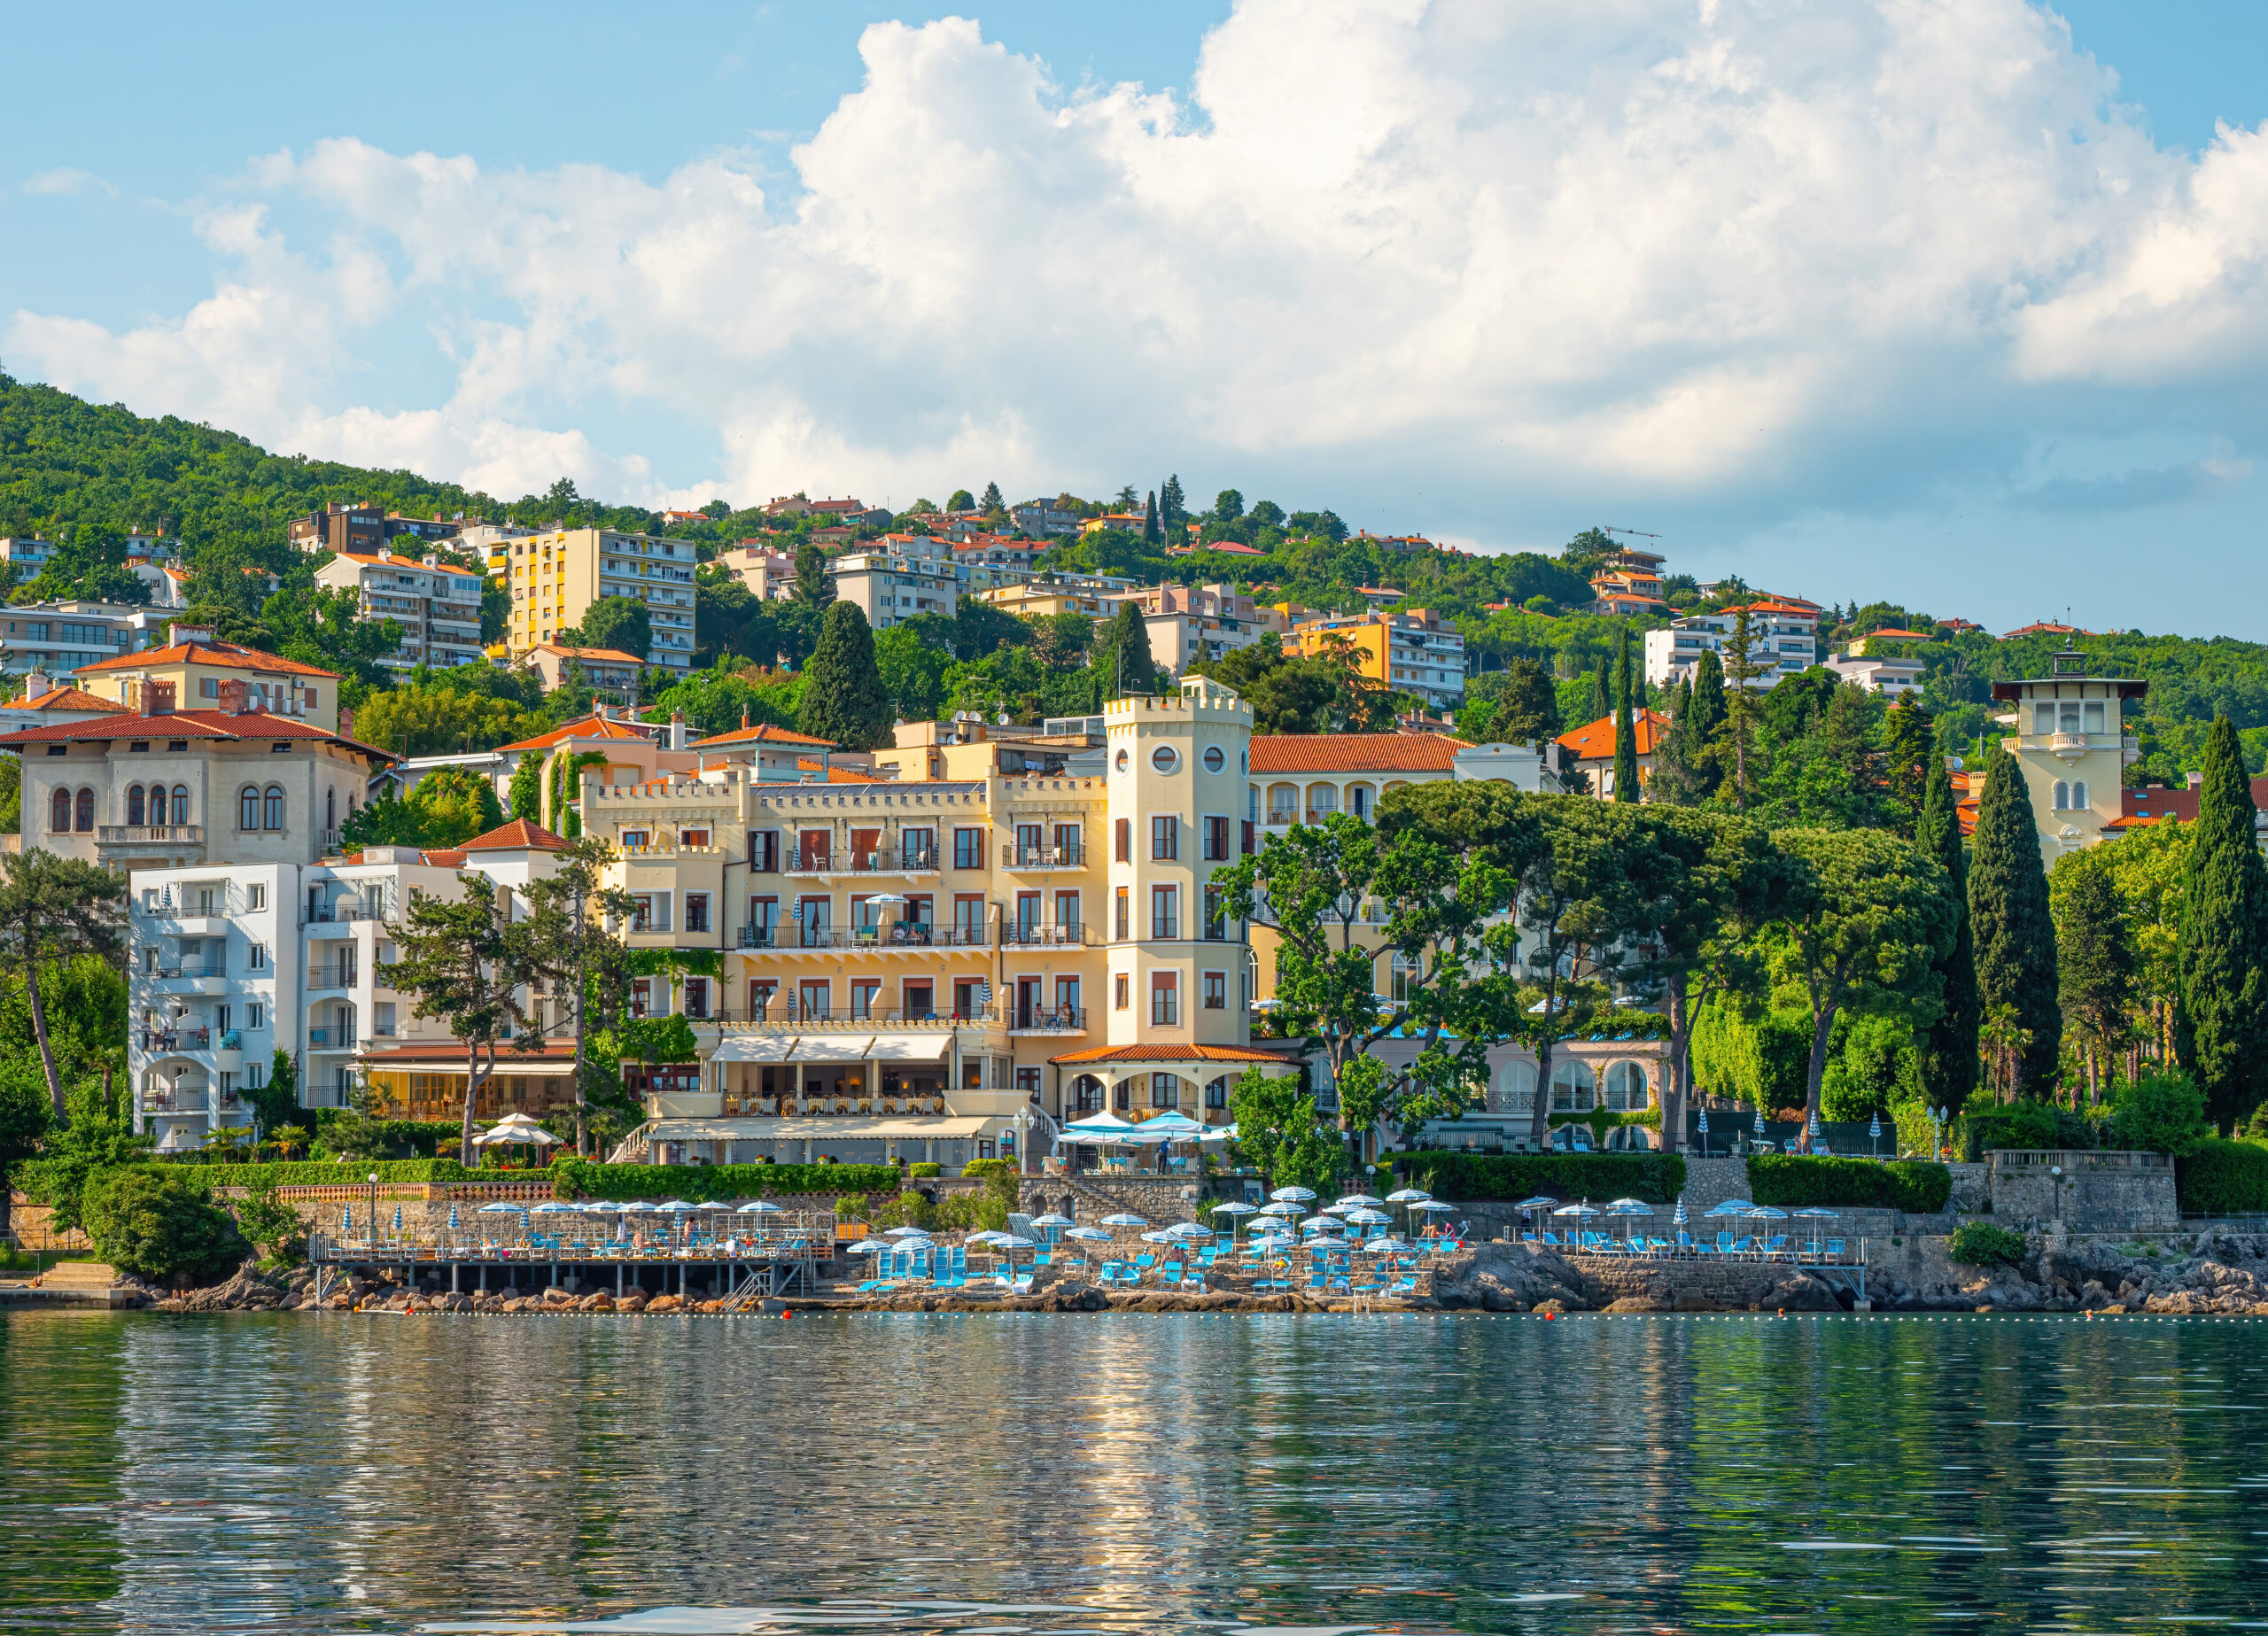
(1049, 1019)
(899, 861)
(1280, 816)
(331, 976)
(169, 1041)
(189, 977)
(150, 835)
(1021, 858)
(335, 916)
(786, 1013)
(884, 938)
(330, 1039)
(180, 1099)
(1016, 935)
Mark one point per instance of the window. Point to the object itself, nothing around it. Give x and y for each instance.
(1518, 1095)
(1216, 991)
(696, 996)
(635, 837)
(1164, 759)
(1117, 990)
(917, 848)
(1028, 1082)
(1067, 915)
(1625, 1088)
(1165, 1090)
(1165, 998)
(2062, 796)
(1124, 930)
(1165, 836)
(693, 837)
(1216, 1093)
(1213, 758)
(180, 804)
(1217, 914)
(696, 911)
(2095, 716)
(256, 959)
(256, 897)
(968, 849)
(1125, 839)
(764, 851)
(1250, 845)
(86, 811)
(1163, 921)
(273, 807)
(759, 999)
(255, 1019)
(2079, 796)
(649, 912)
(1216, 839)
(247, 807)
(1571, 1085)
(134, 808)
(2043, 719)
(1122, 1096)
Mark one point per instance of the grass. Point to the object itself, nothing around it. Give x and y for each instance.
(36, 1261)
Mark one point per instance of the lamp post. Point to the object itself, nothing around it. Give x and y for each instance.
(2055, 1174)
(374, 1210)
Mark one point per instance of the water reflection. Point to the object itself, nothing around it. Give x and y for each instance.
(989, 1474)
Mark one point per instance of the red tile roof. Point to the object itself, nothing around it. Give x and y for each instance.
(1169, 1053)
(588, 727)
(388, 560)
(2045, 627)
(602, 655)
(519, 835)
(2139, 808)
(1354, 752)
(1595, 742)
(763, 733)
(1779, 605)
(65, 698)
(185, 724)
(227, 655)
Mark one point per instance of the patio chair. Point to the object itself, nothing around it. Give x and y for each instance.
(1658, 1246)
(1406, 1284)
(1169, 1272)
(1835, 1249)
(1724, 1244)
(1746, 1245)
(1144, 1262)
(1021, 1286)
(1777, 1248)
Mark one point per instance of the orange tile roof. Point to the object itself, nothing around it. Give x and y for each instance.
(1778, 604)
(588, 727)
(226, 654)
(1894, 634)
(519, 835)
(185, 725)
(1595, 742)
(604, 655)
(388, 560)
(66, 699)
(1354, 752)
(1169, 1053)
(763, 733)
(841, 775)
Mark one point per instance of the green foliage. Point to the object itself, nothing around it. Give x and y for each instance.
(448, 806)
(1946, 1050)
(2223, 945)
(926, 1167)
(844, 701)
(647, 1039)
(272, 1225)
(276, 1102)
(620, 623)
(1792, 1179)
(1759, 1059)
(26, 1115)
(2222, 1177)
(704, 1184)
(2160, 1114)
(473, 708)
(1283, 1133)
(321, 1172)
(527, 789)
(156, 1223)
(1984, 1126)
(1656, 1178)
(1980, 1243)
(96, 1138)
(2015, 932)
(1626, 737)
(1871, 1067)
(12, 796)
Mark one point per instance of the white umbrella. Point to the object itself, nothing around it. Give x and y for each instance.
(1384, 1245)
(499, 1209)
(1581, 1212)
(1236, 1207)
(761, 1207)
(1051, 1220)
(1091, 1234)
(640, 1207)
(1280, 1208)
(1368, 1218)
(1292, 1194)
(871, 1247)
(1363, 1201)
(1125, 1219)
(904, 1232)
(675, 1207)
(555, 1208)
(1426, 1207)
(1408, 1196)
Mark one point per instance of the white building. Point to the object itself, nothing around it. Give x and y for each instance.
(439, 606)
(59, 640)
(1783, 637)
(1888, 675)
(228, 966)
(890, 589)
(22, 557)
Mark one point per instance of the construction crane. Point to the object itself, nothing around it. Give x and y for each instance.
(1637, 533)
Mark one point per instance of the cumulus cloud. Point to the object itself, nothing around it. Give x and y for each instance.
(1737, 253)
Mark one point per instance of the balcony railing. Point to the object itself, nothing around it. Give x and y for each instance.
(1315, 815)
(150, 835)
(330, 1039)
(897, 861)
(190, 969)
(1049, 1019)
(1283, 815)
(334, 915)
(899, 935)
(176, 1039)
(334, 976)
(180, 1101)
(783, 1013)
(1015, 856)
(1016, 934)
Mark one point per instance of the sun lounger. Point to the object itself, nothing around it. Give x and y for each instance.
(1835, 1249)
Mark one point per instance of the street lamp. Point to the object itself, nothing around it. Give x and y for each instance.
(374, 1210)
(2055, 1174)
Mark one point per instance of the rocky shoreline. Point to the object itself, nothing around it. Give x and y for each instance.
(2219, 1273)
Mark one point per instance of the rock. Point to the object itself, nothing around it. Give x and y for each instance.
(517, 1305)
(1551, 1308)
(636, 1301)
(1635, 1302)
(599, 1302)
(665, 1303)
(1692, 1300)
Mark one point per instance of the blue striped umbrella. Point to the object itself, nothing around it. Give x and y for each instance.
(1678, 1218)
(346, 1221)
(453, 1218)
(1759, 1121)
(397, 1217)
(1704, 1121)
(1815, 1125)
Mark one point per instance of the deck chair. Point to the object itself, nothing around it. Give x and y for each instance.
(1835, 1249)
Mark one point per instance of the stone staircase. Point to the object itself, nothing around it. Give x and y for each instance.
(79, 1275)
(1159, 1199)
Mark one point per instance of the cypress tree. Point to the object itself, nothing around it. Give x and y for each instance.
(814, 585)
(2094, 958)
(844, 699)
(1602, 700)
(2224, 938)
(1150, 529)
(1625, 732)
(1707, 706)
(1122, 658)
(1947, 1050)
(2013, 933)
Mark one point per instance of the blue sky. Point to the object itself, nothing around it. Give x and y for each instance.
(1863, 303)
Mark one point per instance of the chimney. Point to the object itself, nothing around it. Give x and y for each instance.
(177, 633)
(232, 696)
(346, 724)
(157, 698)
(743, 721)
(677, 729)
(433, 559)
(2196, 779)
(35, 683)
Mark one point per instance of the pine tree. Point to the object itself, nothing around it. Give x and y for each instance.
(992, 502)
(2223, 945)
(1170, 508)
(1150, 529)
(844, 699)
(2095, 961)
(2015, 935)
(1625, 732)
(1947, 1050)
(1909, 745)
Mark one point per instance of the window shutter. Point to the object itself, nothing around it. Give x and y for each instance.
(1247, 837)
(1126, 840)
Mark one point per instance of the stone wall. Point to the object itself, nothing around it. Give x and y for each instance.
(2097, 1192)
(1160, 1201)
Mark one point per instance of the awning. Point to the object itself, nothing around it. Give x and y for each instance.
(830, 1048)
(911, 1047)
(821, 1127)
(755, 1048)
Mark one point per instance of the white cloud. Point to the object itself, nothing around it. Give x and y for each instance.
(66, 180)
(1762, 258)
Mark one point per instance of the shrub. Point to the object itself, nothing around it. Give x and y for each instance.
(271, 1224)
(702, 1183)
(1003, 1191)
(155, 1223)
(321, 1172)
(928, 1167)
(1656, 1178)
(2162, 1114)
(2218, 1177)
(1980, 1244)
(2019, 1125)
(1916, 1186)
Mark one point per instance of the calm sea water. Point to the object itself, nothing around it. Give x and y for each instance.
(981, 1475)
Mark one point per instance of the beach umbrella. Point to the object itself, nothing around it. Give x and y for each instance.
(904, 1232)
(1051, 1220)
(1815, 1214)
(1678, 1218)
(871, 1247)
(1759, 1121)
(1408, 1196)
(1815, 1129)
(1581, 1212)
(346, 1221)
(1088, 1234)
(1432, 1206)
(1125, 1219)
(1293, 1194)
(1385, 1246)
(452, 1216)
(1366, 1217)
(556, 1207)
(761, 1207)
(1705, 1133)
(397, 1217)
(1362, 1201)
(1874, 1127)
(676, 1206)
(1279, 1207)
(499, 1209)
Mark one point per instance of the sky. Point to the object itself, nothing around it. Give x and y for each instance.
(1958, 303)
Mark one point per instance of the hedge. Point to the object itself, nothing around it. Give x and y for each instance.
(322, 1173)
(2220, 1177)
(1980, 1243)
(703, 1184)
(1656, 1178)
(1915, 1185)
(1986, 1126)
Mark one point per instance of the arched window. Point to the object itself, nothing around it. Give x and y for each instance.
(134, 807)
(1518, 1091)
(158, 808)
(275, 808)
(86, 811)
(330, 808)
(1122, 1096)
(181, 803)
(58, 812)
(2062, 796)
(1571, 1085)
(1216, 1093)
(1625, 1088)
(247, 807)
(2078, 794)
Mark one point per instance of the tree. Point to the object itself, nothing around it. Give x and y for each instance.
(2008, 917)
(2093, 958)
(567, 941)
(1171, 510)
(1868, 918)
(1601, 695)
(1228, 506)
(527, 788)
(960, 500)
(814, 585)
(1910, 751)
(51, 909)
(1707, 706)
(448, 806)
(155, 1225)
(463, 964)
(1738, 741)
(275, 1103)
(1151, 532)
(1946, 1050)
(1121, 654)
(1282, 1132)
(1625, 733)
(992, 502)
(1527, 705)
(620, 623)
(2224, 939)
(26, 1117)
(844, 698)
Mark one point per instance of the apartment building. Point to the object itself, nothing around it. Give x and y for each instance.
(1039, 518)
(2070, 739)
(1627, 592)
(1188, 623)
(1589, 750)
(890, 589)
(439, 606)
(61, 640)
(1783, 638)
(1884, 673)
(1095, 595)
(1410, 650)
(22, 556)
(354, 525)
(769, 575)
(931, 968)
(554, 576)
(227, 966)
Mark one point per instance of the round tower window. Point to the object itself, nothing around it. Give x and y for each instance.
(1121, 761)
(1164, 759)
(1214, 760)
